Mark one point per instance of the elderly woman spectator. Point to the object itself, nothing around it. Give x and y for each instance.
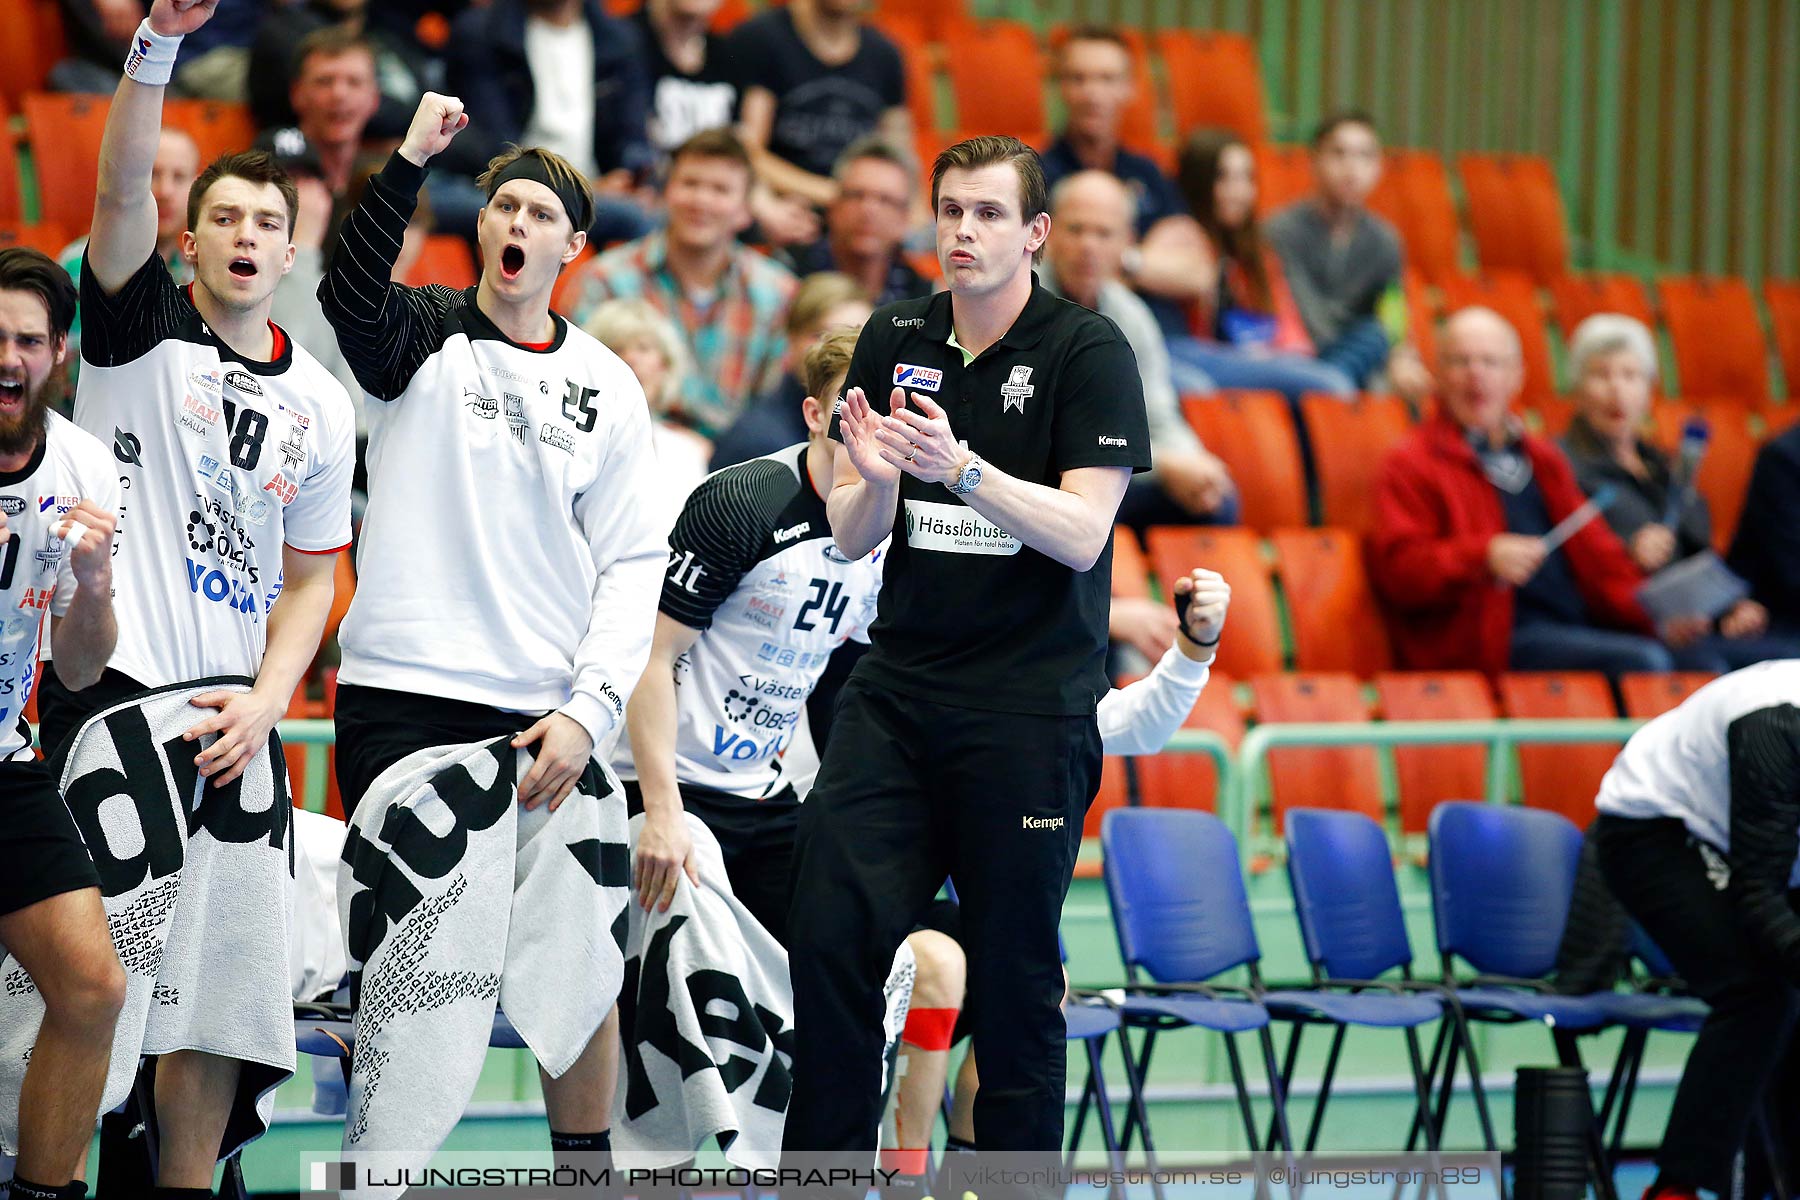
(653, 349)
(1661, 518)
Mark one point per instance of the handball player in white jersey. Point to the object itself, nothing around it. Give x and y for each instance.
(58, 497)
(233, 449)
(509, 566)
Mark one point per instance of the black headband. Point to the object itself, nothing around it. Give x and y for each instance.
(577, 201)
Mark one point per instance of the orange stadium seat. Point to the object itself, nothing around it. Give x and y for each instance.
(1516, 214)
(1346, 777)
(921, 80)
(1254, 433)
(567, 285)
(12, 201)
(1564, 777)
(1138, 126)
(1215, 81)
(1783, 296)
(1283, 175)
(1255, 642)
(1777, 418)
(1652, 693)
(1192, 780)
(1348, 442)
(1575, 298)
(1429, 774)
(942, 19)
(1414, 195)
(64, 133)
(1130, 569)
(1724, 473)
(1337, 626)
(1512, 295)
(1717, 336)
(33, 44)
(216, 127)
(43, 236)
(445, 259)
(1421, 321)
(1553, 416)
(997, 74)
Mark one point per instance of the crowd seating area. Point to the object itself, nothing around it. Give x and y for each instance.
(1306, 642)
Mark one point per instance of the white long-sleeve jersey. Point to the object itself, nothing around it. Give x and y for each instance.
(509, 556)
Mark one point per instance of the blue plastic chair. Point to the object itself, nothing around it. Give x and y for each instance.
(1501, 882)
(1341, 870)
(1182, 918)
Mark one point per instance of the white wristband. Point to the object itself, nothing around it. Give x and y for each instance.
(152, 57)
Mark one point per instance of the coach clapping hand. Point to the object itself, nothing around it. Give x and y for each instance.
(1201, 597)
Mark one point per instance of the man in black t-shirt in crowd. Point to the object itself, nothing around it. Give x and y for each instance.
(965, 741)
(691, 89)
(814, 78)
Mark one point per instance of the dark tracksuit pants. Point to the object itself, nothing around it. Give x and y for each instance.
(911, 791)
(1746, 1047)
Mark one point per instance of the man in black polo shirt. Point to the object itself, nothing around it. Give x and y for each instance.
(964, 742)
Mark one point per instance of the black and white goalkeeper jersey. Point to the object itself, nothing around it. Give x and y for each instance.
(753, 566)
(69, 466)
(220, 461)
(510, 554)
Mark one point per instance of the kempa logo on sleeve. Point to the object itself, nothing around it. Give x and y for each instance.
(955, 529)
(1041, 822)
(1112, 441)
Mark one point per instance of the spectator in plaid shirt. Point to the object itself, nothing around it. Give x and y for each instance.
(729, 302)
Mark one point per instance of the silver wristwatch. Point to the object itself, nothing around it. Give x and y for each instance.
(970, 478)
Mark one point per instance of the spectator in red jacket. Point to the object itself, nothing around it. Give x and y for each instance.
(1458, 555)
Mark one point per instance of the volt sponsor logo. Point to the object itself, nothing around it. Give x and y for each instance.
(214, 585)
(735, 747)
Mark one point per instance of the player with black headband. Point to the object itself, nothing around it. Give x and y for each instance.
(234, 451)
(508, 567)
(58, 497)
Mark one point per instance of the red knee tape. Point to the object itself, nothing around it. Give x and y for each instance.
(929, 1028)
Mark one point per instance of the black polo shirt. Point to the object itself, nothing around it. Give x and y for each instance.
(969, 616)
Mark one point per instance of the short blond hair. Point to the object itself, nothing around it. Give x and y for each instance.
(619, 324)
(818, 294)
(825, 365)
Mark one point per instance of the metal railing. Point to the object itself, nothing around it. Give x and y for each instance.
(1242, 773)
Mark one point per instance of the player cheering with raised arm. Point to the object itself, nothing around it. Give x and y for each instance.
(235, 450)
(51, 919)
(525, 598)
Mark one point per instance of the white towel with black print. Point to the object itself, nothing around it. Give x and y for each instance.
(455, 897)
(198, 886)
(707, 1023)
